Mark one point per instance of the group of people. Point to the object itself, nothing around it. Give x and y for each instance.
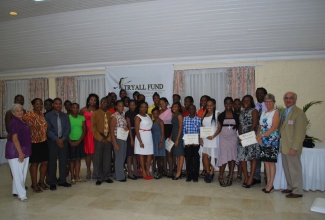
(112, 133)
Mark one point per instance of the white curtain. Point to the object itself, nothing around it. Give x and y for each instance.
(90, 84)
(211, 82)
(17, 87)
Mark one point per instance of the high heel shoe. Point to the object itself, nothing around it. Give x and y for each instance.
(269, 190)
(222, 182)
(210, 178)
(207, 177)
(229, 181)
(177, 178)
(247, 185)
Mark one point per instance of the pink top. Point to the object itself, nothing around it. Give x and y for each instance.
(166, 116)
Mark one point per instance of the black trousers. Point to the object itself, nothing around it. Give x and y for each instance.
(192, 157)
(61, 154)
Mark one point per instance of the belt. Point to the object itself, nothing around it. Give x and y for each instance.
(144, 129)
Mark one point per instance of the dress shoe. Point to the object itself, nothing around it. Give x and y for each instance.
(14, 195)
(147, 178)
(195, 180)
(158, 176)
(188, 179)
(98, 182)
(132, 177)
(52, 187)
(177, 178)
(269, 190)
(65, 184)
(255, 181)
(293, 196)
(286, 191)
(123, 180)
(109, 181)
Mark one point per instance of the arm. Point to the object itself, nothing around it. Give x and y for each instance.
(7, 120)
(18, 148)
(137, 130)
(180, 124)
(161, 124)
(254, 120)
(94, 130)
(111, 131)
(301, 123)
(217, 131)
(128, 121)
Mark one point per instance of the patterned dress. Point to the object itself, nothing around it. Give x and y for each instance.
(270, 144)
(252, 151)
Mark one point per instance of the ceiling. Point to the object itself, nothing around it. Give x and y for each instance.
(76, 34)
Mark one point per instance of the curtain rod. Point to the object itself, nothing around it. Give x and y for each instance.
(214, 67)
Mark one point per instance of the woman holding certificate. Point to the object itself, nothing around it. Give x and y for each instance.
(227, 126)
(118, 128)
(143, 142)
(176, 137)
(268, 138)
(209, 141)
(248, 122)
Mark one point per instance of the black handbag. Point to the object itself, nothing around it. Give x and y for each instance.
(308, 142)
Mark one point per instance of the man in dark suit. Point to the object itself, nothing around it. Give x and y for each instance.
(293, 130)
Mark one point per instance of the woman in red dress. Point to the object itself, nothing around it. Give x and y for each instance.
(89, 144)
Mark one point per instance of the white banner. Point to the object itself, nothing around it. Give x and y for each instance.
(146, 80)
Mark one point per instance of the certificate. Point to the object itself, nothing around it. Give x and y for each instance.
(169, 144)
(122, 134)
(248, 139)
(191, 139)
(206, 132)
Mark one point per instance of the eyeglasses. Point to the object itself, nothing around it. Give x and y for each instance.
(286, 98)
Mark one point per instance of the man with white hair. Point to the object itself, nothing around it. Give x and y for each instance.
(293, 131)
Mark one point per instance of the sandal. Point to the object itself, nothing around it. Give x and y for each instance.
(229, 181)
(36, 189)
(222, 182)
(43, 186)
(204, 172)
(239, 178)
(73, 181)
(88, 176)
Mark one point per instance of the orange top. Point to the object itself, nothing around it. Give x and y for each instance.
(38, 126)
(200, 112)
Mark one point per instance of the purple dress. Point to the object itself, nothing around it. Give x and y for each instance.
(228, 142)
(23, 132)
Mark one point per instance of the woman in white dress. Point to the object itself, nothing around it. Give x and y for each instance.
(210, 145)
(143, 145)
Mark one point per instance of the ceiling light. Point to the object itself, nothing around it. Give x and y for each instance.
(13, 13)
(38, 0)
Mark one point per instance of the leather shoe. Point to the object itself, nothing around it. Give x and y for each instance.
(98, 182)
(286, 191)
(293, 196)
(188, 179)
(52, 187)
(255, 181)
(65, 184)
(123, 180)
(195, 180)
(109, 180)
(14, 195)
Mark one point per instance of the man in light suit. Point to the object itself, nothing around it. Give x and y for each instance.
(293, 130)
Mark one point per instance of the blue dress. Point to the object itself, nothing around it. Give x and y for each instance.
(177, 150)
(270, 144)
(156, 136)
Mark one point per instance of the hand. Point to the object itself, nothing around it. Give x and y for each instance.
(132, 143)
(259, 141)
(71, 143)
(201, 141)
(196, 145)
(210, 137)
(141, 145)
(259, 137)
(103, 141)
(126, 129)
(292, 152)
(21, 157)
(60, 142)
(160, 146)
(116, 147)
(176, 143)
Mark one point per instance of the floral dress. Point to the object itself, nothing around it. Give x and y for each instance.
(250, 152)
(270, 144)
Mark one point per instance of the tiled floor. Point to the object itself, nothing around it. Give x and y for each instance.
(154, 199)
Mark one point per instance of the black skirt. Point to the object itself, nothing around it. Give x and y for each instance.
(40, 152)
(77, 152)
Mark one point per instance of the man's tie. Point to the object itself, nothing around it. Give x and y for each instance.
(285, 115)
(260, 110)
(59, 126)
(105, 126)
